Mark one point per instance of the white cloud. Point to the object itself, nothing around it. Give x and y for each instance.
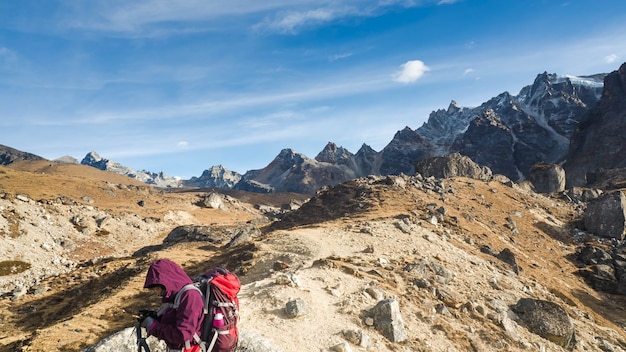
(609, 59)
(410, 71)
(182, 144)
(340, 56)
(293, 20)
(468, 71)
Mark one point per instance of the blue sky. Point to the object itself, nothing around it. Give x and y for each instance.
(181, 85)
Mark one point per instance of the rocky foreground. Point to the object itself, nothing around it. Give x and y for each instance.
(398, 263)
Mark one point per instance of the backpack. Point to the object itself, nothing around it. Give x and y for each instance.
(219, 288)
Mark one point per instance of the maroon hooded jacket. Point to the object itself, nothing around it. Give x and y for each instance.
(175, 326)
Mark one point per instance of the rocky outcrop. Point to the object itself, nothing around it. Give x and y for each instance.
(603, 269)
(450, 166)
(607, 179)
(547, 178)
(211, 234)
(606, 216)
(599, 140)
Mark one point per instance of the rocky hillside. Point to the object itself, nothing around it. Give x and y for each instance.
(381, 263)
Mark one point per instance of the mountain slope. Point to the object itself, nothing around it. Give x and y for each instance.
(9, 155)
(429, 244)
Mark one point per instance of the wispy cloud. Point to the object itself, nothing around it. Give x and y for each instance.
(410, 71)
(7, 55)
(609, 59)
(289, 22)
(340, 56)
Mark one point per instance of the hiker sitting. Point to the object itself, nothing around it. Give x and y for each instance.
(179, 321)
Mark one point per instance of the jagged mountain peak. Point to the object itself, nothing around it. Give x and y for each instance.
(91, 157)
(160, 179)
(334, 154)
(365, 150)
(216, 176)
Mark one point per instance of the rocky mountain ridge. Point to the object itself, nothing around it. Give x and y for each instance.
(508, 134)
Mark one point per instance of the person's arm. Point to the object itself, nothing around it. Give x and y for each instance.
(188, 320)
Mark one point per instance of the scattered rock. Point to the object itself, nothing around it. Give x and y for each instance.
(388, 321)
(297, 308)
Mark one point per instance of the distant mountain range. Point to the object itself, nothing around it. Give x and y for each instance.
(554, 120)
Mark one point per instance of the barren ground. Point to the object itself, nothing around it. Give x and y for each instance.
(358, 235)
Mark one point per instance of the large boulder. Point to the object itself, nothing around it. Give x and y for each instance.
(452, 165)
(548, 320)
(606, 216)
(547, 178)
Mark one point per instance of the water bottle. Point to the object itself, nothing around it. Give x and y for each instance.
(218, 320)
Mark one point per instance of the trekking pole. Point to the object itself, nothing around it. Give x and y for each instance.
(141, 341)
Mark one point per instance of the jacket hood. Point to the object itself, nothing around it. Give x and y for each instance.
(169, 274)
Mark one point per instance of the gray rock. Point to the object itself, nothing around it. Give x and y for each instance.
(213, 234)
(297, 308)
(606, 216)
(584, 194)
(548, 320)
(358, 338)
(250, 341)
(125, 341)
(547, 178)
(508, 257)
(452, 165)
(388, 321)
(213, 201)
